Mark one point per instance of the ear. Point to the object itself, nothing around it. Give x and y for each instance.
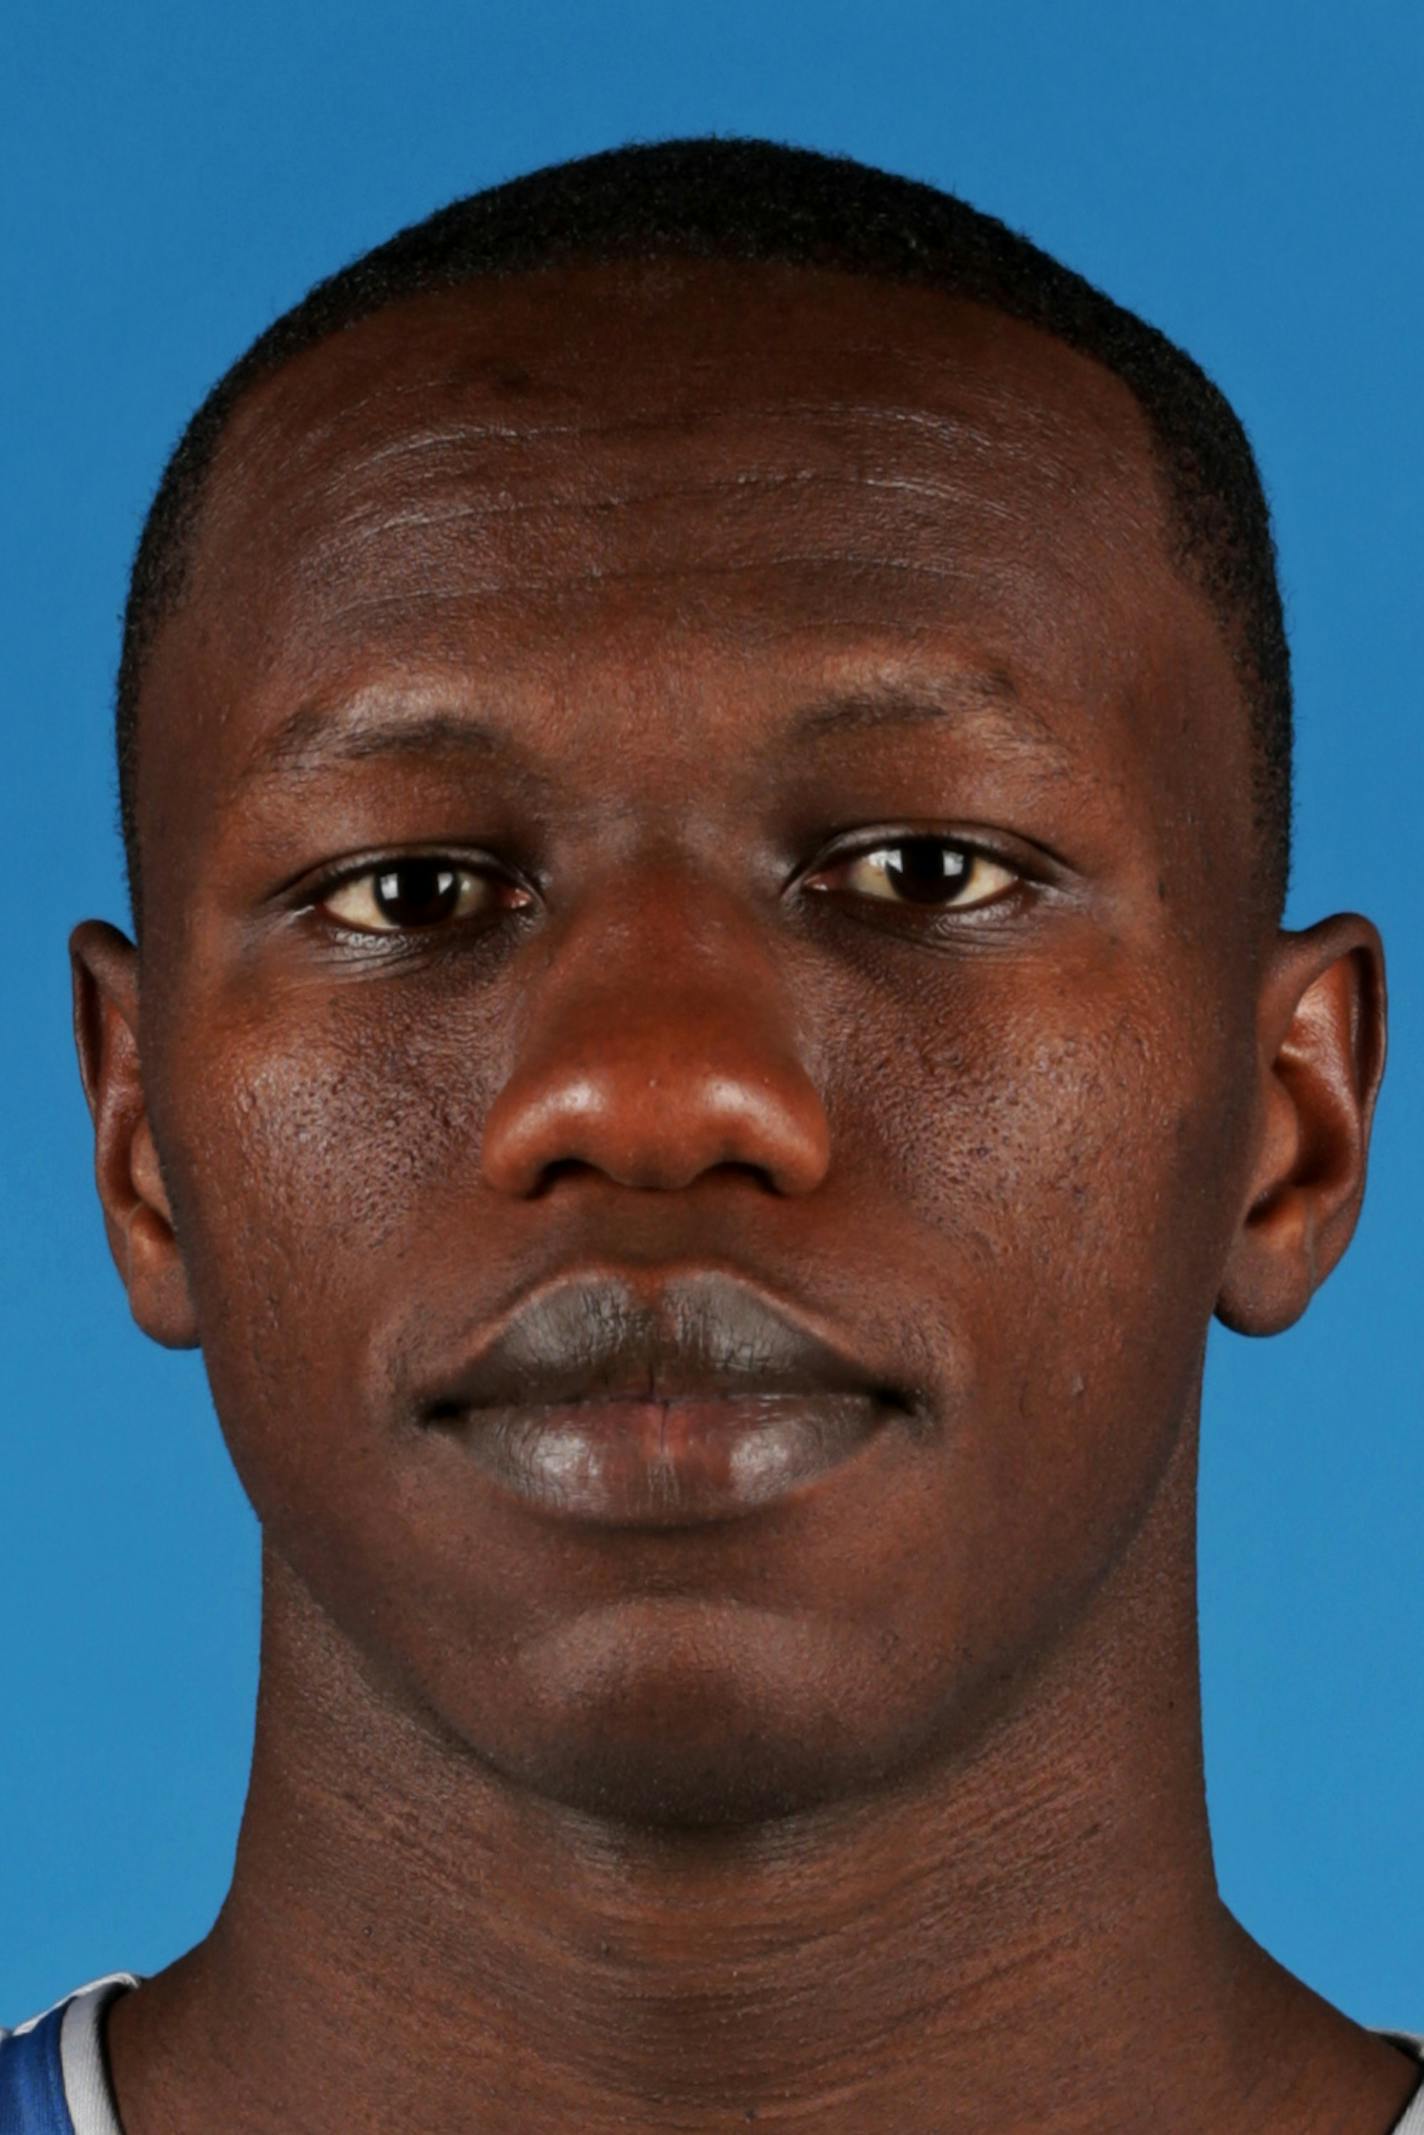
(137, 1217)
(1321, 1025)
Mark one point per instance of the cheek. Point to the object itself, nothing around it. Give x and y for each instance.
(1060, 1157)
(309, 1150)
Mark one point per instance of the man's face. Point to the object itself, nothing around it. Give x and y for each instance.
(660, 607)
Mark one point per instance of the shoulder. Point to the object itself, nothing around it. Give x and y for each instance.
(52, 2077)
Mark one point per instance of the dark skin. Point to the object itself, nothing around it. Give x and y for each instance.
(880, 1809)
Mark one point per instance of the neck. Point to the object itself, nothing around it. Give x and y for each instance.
(1025, 1932)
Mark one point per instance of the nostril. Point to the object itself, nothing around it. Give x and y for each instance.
(558, 1169)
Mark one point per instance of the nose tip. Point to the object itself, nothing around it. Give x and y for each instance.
(655, 1094)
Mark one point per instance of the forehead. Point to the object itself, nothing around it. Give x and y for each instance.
(611, 479)
(576, 426)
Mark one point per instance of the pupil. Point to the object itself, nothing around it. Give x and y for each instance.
(926, 869)
(418, 893)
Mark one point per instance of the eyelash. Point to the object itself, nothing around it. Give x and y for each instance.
(1005, 903)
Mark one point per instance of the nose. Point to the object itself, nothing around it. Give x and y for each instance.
(657, 1046)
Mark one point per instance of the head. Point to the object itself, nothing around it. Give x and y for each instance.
(711, 713)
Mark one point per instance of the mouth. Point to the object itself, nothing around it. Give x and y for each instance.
(703, 1399)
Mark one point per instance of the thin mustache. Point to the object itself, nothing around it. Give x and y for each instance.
(702, 1332)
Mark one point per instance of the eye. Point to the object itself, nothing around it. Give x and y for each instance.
(934, 873)
(398, 896)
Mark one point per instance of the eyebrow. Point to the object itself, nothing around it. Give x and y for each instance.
(964, 695)
(316, 737)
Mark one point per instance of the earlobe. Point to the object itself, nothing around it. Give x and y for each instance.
(137, 1215)
(1322, 1020)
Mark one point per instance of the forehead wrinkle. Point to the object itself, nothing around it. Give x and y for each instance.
(686, 420)
(970, 572)
(956, 435)
(1031, 427)
(960, 442)
(748, 484)
(367, 522)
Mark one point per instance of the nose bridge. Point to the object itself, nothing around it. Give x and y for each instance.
(658, 1044)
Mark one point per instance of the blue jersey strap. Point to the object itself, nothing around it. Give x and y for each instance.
(32, 2081)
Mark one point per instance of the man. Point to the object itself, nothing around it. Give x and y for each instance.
(705, 761)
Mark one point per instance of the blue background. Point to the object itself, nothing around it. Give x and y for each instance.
(1247, 174)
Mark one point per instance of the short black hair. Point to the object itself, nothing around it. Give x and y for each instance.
(728, 198)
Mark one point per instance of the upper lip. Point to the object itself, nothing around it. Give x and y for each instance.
(601, 1335)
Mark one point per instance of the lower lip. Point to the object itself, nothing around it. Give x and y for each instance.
(635, 1463)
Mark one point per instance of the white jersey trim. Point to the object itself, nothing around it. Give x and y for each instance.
(81, 2056)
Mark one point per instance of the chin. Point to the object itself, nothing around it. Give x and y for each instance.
(710, 1782)
(731, 1723)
